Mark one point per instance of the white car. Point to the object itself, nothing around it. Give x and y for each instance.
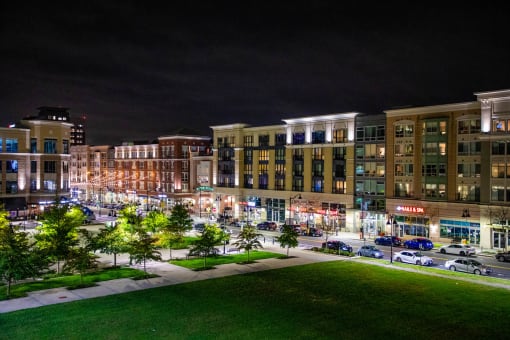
(458, 249)
(412, 256)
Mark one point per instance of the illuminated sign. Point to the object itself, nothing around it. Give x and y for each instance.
(204, 188)
(411, 209)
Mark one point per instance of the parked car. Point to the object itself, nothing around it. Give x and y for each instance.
(245, 223)
(413, 257)
(235, 224)
(458, 249)
(370, 251)
(388, 240)
(468, 266)
(225, 229)
(419, 243)
(315, 232)
(199, 227)
(503, 256)
(296, 227)
(266, 225)
(89, 215)
(337, 245)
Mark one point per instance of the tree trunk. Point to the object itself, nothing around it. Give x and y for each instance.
(114, 260)
(9, 280)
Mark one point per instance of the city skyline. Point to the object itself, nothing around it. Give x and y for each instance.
(138, 72)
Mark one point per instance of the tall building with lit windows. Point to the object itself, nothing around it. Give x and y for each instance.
(299, 172)
(370, 171)
(93, 173)
(446, 167)
(34, 161)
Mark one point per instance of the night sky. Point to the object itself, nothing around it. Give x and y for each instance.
(139, 71)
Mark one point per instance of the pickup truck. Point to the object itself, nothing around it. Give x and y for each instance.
(503, 256)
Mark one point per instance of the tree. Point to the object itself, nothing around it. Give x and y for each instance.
(248, 240)
(15, 254)
(58, 233)
(288, 238)
(179, 223)
(143, 249)
(155, 221)
(80, 259)
(205, 245)
(130, 221)
(111, 240)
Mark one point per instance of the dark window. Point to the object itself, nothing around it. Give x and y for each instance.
(33, 167)
(50, 167)
(264, 140)
(298, 138)
(50, 146)
(318, 137)
(11, 166)
(280, 139)
(33, 145)
(11, 145)
(11, 187)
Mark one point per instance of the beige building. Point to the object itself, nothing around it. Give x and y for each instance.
(300, 172)
(35, 159)
(446, 167)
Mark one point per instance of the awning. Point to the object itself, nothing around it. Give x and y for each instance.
(14, 203)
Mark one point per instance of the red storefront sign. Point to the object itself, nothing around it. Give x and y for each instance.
(411, 209)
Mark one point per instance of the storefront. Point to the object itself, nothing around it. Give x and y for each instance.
(460, 231)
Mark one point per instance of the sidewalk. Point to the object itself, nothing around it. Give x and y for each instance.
(168, 275)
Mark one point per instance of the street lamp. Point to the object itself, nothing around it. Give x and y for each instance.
(392, 223)
(465, 215)
(298, 196)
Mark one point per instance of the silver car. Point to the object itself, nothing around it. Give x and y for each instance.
(468, 266)
(370, 251)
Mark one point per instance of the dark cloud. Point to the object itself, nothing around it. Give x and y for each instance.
(138, 70)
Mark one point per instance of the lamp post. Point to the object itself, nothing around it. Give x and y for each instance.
(392, 223)
(147, 207)
(200, 203)
(298, 196)
(465, 215)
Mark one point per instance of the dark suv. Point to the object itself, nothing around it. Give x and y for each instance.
(337, 245)
(315, 232)
(266, 225)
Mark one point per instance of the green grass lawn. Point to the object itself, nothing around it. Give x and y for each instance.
(70, 281)
(198, 263)
(327, 300)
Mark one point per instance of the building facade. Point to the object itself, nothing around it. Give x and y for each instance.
(34, 162)
(176, 169)
(300, 172)
(447, 170)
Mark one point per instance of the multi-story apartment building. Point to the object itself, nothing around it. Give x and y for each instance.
(186, 171)
(93, 173)
(34, 161)
(298, 172)
(155, 175)
(447, 168)
(137, 174)
(370, 151)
